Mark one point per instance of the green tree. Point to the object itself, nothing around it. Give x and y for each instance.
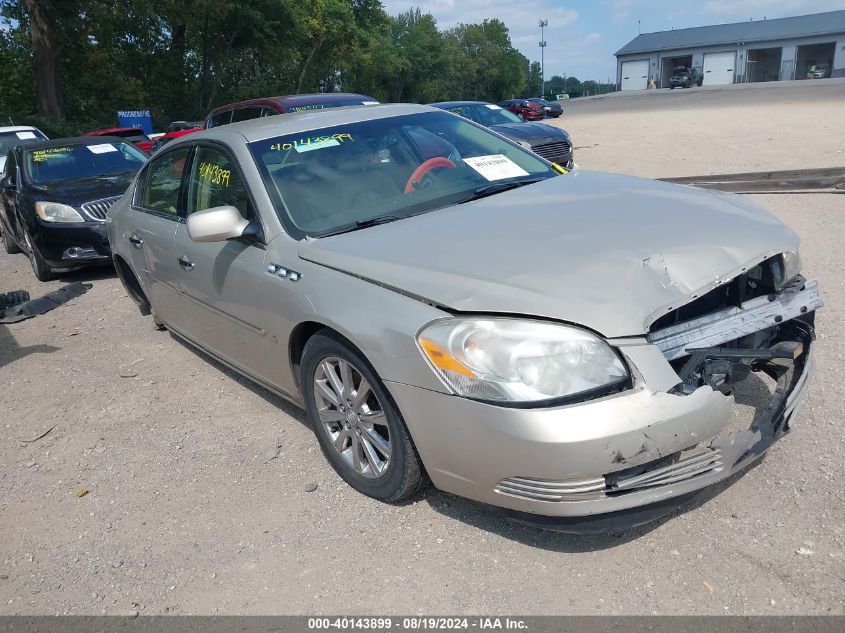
(534, 79)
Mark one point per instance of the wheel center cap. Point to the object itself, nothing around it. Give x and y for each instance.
(351, 418)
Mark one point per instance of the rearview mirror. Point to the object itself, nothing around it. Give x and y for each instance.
(217, 224)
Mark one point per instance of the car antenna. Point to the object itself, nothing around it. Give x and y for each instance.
(10, 121)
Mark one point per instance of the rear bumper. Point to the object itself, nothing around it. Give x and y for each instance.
(639, 453)
(72, 245)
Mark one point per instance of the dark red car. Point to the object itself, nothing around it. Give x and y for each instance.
(164, 139)
(528, 110)
(134, 135)
(268, 106)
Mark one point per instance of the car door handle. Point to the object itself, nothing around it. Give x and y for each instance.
(136, 241)
(185, 263)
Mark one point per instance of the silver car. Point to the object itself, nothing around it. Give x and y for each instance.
(446, 305)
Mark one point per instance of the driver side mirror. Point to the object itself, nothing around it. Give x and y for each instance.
(217, 224)
(7, 183)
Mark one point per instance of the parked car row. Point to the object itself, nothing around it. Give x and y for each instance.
(78, 179)
(445, 303)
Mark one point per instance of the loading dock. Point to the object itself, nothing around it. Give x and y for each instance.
(763, 64)
(812, 55)
(668, 63)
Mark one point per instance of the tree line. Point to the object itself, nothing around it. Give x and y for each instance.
(69, 65)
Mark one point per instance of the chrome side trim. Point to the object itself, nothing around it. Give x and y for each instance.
(732, 323)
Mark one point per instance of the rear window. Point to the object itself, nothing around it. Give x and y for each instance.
(329, 104)
(9, 140)
(75, 162)
(130, 135)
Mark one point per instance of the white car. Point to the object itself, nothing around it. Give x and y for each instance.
(11, 136)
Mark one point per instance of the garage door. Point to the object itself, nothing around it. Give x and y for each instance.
(635, 75)
(719, 68)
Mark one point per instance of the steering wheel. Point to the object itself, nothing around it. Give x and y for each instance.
(425, 167)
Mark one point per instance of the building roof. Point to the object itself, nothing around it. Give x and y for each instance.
(758, 30)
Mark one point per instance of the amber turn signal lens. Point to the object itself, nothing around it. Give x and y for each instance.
(441, 359)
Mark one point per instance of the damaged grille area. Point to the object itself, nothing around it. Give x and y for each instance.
(682, 466)
(799, 298)
(760, 281)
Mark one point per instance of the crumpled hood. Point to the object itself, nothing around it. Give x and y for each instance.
(530, 131)
(609, 252)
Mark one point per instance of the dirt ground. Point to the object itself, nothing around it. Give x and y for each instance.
(187, 514)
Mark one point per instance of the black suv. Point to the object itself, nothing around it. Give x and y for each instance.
(683, 77)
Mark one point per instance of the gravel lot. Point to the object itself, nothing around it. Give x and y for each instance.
(187, 515)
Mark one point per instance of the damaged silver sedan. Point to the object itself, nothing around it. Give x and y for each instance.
(446, 305)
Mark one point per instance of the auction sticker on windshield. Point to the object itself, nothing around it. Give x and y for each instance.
(25, 135)
(495, 167)
(104, 148)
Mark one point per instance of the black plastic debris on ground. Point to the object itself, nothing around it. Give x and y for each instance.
(17, 306)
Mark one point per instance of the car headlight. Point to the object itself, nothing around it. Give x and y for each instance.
(520, 361)
(57, 212)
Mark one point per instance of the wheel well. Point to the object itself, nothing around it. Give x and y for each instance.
(298, 339)
(132, 285)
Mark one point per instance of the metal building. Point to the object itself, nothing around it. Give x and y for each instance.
(801, 47)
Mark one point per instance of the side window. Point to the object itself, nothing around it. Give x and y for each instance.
(215, 182)
(222, 118)
(245, 114)
(160, 191)
(265, 111)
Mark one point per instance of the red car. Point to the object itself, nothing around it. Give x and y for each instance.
(268, 106)
(169, 136)
(134, 135)
(528, 110)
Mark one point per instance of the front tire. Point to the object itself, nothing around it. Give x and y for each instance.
(39, 266)
(360, 430)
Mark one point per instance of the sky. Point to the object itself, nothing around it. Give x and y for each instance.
(583, 34)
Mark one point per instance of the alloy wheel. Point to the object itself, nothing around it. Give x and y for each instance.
(352, 416)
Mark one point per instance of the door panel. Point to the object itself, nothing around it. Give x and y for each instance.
(225, 284)
(152, 229)
(150, 240)
(222, 307)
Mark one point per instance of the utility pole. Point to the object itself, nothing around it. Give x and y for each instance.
(542, 24)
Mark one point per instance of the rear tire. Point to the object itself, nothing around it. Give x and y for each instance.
(9, 244)
(39, 266)
(360, 429)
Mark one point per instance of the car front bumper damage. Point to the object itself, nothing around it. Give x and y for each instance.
(635, 454)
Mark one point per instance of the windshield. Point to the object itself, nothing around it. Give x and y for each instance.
(9, 140)
(72, 162)
(324, 180)
(485, 114)
(540, 101)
